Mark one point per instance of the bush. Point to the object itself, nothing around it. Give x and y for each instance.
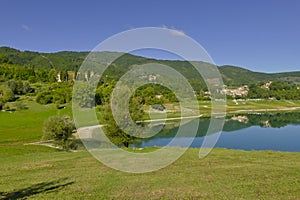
(6, 94)
(60, 129)
(59, 93)
(44, 98)
(158, 107)
(26, 88)
(84, 95)
(32, 79)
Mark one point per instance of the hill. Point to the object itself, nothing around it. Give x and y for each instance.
(70, 60)
(60, 60)
(233, 75)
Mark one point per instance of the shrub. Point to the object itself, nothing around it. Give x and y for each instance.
(158, 107)
(44, 98)
(6, 94)
(60, 129)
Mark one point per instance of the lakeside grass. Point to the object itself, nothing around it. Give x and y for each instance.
(44, 173)
(26, 125)
(232, 107)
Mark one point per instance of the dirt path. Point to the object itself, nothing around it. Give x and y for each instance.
(48, 143)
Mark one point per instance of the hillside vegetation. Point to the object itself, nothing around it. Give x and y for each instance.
(236, 76)
(68, 60)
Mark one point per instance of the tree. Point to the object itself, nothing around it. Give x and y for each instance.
(84, 95)
(60, 129)
(12, 84)
(135, 108)
(26, 88)
(44, 97)
(6, 94)
(63, 75)
(103, 93)
(112, 130)
(52, 74)
(5, 59)
(32, 79)
(58, 93)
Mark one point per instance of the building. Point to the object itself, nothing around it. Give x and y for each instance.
(266, 85)
(241, 91)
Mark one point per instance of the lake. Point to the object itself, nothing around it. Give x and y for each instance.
(271, 131)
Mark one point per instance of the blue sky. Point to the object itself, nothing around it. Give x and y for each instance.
(258, 35)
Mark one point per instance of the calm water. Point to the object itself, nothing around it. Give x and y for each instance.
(280, 132)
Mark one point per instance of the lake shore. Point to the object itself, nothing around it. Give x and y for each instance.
(230, 110)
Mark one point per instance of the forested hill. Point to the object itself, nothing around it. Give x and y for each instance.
(233, 75)
(65, 60)
(69, 60)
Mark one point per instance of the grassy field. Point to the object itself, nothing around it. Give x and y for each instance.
(38, 172)
(43, 173)
(26, 125)
(262, 106)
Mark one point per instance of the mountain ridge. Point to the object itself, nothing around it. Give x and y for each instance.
(71, 60)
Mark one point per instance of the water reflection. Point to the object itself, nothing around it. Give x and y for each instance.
(268, 131)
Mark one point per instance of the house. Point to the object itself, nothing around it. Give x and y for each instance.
(152, 78)
(241, 91)
(266, 85)
(58, 77)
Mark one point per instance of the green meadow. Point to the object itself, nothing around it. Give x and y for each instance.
(43, 173)
(26, 125)
(241, 107)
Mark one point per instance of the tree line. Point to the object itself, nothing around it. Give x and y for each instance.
(277, 90)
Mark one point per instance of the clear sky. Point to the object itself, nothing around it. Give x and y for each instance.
(260, 35)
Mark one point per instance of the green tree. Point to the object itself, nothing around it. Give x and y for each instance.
(84, 95)
(26, 88)
(63, 75)
(12, 84)
(60, 129)
(19, 88)
(5, 59)
(112, 130)
(44, 97)
(103, 93)
(32, 79)
(6, 94)
(135, 108)
(52, 76)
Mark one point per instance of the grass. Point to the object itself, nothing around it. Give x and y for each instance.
(249, 106)
(224, 174)
(261, 105)
(26, 125)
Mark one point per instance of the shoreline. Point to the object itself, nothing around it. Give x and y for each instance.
(242, 111)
